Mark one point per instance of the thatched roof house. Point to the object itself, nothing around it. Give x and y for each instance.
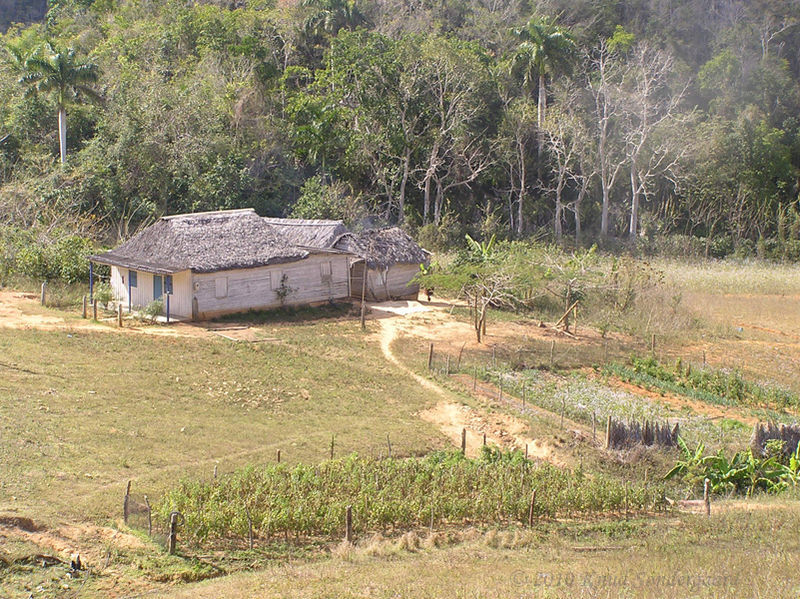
(392, 258)
(217, 262)
(308, 232)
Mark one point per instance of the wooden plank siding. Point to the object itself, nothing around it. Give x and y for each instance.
(384, 284)
(180, 304)
(316, 279)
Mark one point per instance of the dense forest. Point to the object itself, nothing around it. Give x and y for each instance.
(671, 122)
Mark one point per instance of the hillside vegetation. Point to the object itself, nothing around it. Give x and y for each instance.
(585, 120)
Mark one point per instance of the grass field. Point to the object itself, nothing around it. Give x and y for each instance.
(87, 408)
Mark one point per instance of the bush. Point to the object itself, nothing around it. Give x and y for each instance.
(56, 257)
(103, 293)
(154, 309)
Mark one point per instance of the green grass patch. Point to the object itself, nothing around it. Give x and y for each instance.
(711, 385)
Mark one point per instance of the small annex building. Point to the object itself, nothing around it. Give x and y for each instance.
(216, 263)
(391, 258)
(313, 233)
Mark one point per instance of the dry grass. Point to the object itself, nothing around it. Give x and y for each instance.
(747, 551)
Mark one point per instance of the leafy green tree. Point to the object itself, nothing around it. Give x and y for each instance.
(60, 73)
(330, 16)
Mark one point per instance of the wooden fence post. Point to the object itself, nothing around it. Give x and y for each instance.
(126, 502)
(44, 292)
(523, 394)
(594, 427)
(215, 471)
(333, 443)
(531, 508)
(149, 517)
(526, 451)
(552, 351)
(279, 456)
(85, 313)
(707, 497)
(460, 353)
(249, 527)
(119, 315)
(94, 310)
(447, 365)
(430, 357)
(475, 379)
(172, 542)
(494, 357)
(608, 432)
(484, 438)
(653, 344)
(463, 441)
(389, 443)
(348, 524)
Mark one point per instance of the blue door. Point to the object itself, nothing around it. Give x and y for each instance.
(157, 287)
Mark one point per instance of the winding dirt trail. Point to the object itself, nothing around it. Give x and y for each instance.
(450, 416)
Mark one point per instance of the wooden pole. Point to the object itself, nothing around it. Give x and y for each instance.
(653, 344)
(149, 517)
(430, 357)
(173, 533)
(707, 497)
(463, 441)
(85, 312)
(526, 451)
(215, 471)
(523, 394)
(348, 524)
(447, 365)
(484, 438)
(494, 357)
(333, 443)
(126, 503)
(460, 353)
(249, 527)
(531, 508)
(94, 310)
(552, 351)
(704, 358)
(475, 379)
(594, 427)
(44, 291)
(279, 456)
(364, 298)
(608, 432)
(389, 443)
(119, 315)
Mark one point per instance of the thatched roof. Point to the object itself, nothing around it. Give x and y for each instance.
(204, 242)
(383, 247)
(309, 233)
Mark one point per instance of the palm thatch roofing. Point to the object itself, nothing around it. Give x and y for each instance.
(204, 242)
(309, 232)
(382, 248)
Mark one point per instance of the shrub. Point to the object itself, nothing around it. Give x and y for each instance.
(103, 293)
(153, 310)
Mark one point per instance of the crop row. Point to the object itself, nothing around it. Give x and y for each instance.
(442, 488)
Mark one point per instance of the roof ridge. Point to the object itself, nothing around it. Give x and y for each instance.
(190, 215)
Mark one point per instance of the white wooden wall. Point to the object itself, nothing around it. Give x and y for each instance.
(180, 304)
(257, 288)
(396, 282)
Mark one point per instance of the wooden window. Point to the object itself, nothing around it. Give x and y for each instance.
(221, 287)
(132, 278)
(325, 271)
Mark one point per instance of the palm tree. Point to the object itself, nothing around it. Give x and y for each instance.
(333, 15)
(545, 49)
(58, 72)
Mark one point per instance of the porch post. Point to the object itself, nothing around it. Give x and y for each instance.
(130, 288)
(168, 294)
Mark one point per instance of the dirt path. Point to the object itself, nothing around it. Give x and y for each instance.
(22, 311)
(450, 417)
